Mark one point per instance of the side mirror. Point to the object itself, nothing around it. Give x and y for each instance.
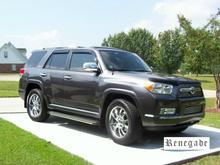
(91, 67)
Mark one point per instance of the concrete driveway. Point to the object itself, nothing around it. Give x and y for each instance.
(209, 93)
(94, 145)
(9, 77)
(12, 105)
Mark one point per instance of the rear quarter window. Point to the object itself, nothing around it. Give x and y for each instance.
(35, 58)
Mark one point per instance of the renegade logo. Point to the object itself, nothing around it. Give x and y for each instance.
(186, 143)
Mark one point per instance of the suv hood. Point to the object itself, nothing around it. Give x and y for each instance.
(156, 77)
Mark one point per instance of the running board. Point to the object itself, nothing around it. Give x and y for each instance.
(81, 119)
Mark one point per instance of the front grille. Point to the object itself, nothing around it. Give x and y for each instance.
(190, 90)
(192, 110)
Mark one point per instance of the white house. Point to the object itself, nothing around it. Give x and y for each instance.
(12, 58)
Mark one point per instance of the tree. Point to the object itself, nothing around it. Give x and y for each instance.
(212, 51)
(139, 41)
(120, 40)
(170, 54)
(144, 44)
(204, 44)
(193, 45)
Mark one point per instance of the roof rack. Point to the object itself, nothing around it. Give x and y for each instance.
(99, 47)
(95, 47)
(105, 47)
(55, 48)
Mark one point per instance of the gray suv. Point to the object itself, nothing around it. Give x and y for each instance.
(108, 87)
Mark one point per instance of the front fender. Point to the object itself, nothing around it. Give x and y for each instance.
(119, 91)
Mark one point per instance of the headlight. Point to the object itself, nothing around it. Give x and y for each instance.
(159, 88)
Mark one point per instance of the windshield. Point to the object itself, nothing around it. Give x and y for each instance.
(123, 61)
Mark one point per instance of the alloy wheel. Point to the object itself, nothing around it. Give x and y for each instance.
(34, 105)
(118, 122)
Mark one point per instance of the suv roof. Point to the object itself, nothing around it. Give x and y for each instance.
(78, 47)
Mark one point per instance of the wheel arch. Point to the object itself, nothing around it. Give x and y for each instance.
(31, 85)
(112, 94)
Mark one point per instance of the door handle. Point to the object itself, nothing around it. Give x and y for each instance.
(43, 74)
(67, 77)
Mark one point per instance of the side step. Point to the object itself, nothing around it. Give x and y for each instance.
(81, 119)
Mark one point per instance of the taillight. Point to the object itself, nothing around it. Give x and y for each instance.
(22, 71)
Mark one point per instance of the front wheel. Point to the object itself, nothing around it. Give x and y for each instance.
(123, 122)
(36, 107)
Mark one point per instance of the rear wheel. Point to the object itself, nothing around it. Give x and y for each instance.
(123, 122)
(36, 107)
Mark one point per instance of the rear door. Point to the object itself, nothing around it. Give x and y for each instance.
(80, 86)
(53, 75)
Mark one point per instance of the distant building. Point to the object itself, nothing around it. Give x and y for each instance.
(12, 58)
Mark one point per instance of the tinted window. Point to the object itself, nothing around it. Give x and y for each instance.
(57, 61)
(35, 58)
(123, 61)
(78, 59)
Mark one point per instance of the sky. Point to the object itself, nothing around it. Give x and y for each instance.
(49, 23)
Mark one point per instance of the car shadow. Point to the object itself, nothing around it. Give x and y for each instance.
(150, 139)
(78, 126)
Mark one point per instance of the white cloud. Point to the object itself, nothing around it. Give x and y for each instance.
(34, 41)
(39, 40)
(146, 24)
(196, 10)
(164, 15)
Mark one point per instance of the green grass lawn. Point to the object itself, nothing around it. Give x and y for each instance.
(8, 88)
(207, 80)
(210, 102)
(208, 160)
(18, 147)
(211, 119)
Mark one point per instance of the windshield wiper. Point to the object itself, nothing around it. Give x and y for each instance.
(141, 70)
(122, 70)
(129, 70)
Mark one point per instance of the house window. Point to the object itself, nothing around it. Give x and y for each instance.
(5, 54)
(13, 67)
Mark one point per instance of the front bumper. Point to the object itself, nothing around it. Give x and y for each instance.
(188, 111)
(163, 122)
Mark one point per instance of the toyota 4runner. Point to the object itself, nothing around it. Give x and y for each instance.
(108, 87)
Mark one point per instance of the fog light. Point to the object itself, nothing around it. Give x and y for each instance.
(167, 111)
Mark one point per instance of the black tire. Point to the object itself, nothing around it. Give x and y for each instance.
(43, 114)
(134, 128)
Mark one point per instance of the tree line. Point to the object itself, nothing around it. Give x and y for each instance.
(185, 49)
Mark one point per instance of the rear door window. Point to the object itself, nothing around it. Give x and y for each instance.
(57, 61)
